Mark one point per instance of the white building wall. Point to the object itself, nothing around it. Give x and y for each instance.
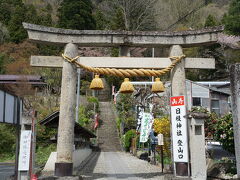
(195, 90)
(79, 156)
(199, 91)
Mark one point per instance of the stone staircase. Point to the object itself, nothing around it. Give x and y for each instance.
(105, 94)
(107, 134)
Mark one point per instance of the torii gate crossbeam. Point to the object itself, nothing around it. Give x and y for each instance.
(97, 38)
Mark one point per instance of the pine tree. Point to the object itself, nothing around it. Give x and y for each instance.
(16, 30)
(210, 21)
(101, 20)
(2, 65)
(212, 51)
(76, 14)
(14, 12)
(232, 19)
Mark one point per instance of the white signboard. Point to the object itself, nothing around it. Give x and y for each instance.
(146, 126)
(160, 139)
(179, 129)
(24, 154)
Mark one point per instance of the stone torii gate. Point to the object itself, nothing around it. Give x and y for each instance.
(71, 39)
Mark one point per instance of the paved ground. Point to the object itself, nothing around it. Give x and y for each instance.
(111, 162)
(119, 165)
(6, 170)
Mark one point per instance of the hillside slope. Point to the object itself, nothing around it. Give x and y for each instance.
(169, 12)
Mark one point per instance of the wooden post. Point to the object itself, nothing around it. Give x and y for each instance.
(162, 157)
(235, 91)
(64, 164)
(18, 133)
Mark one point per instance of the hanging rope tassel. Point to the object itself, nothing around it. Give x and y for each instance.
(126, 86)
(97, 83)
(158, 86)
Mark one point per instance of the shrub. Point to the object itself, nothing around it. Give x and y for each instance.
(128, 138)
(219, 128)
(7, 143)
(83, 118)
(93, 100)
(119, 121)
(224, 132)
(209, 125)
(162, 125)
(43, 153)
(126, 112)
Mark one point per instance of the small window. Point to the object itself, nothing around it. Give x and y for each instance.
(198, 129)
(196, 101)
(215, 106)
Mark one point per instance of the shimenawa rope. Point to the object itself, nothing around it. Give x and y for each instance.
(126, 72)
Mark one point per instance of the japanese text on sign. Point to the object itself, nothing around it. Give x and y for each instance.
(146, 126)
(24, 154)
(140, 112)
(179, 129)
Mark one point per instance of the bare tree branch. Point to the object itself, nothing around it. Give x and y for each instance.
(137, 14)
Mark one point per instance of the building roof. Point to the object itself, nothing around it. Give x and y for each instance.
(212, 88)
(53, 119)
(222, 91)
(17, 79)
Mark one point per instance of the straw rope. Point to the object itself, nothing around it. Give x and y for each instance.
(126, 72)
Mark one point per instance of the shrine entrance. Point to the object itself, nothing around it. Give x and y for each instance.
(118, 66)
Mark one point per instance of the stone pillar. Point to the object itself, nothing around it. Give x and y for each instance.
(178, 73)
(65, 141)
(235, 91)
(124, 51)
(178, 80)
(197, 144)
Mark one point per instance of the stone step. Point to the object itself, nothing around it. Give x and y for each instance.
(108, 139)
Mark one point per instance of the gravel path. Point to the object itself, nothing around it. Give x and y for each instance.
(119, 165)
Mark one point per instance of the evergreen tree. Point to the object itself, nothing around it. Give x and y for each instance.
(7, 8)
(210, 21)
(16, 31)
(232, 19)
(117, 22)
(76, 14)
(14, 12)
(215, 51)
(101, 20)
(2, 65)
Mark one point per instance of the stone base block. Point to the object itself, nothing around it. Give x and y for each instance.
(63, 169)
(61, 178)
